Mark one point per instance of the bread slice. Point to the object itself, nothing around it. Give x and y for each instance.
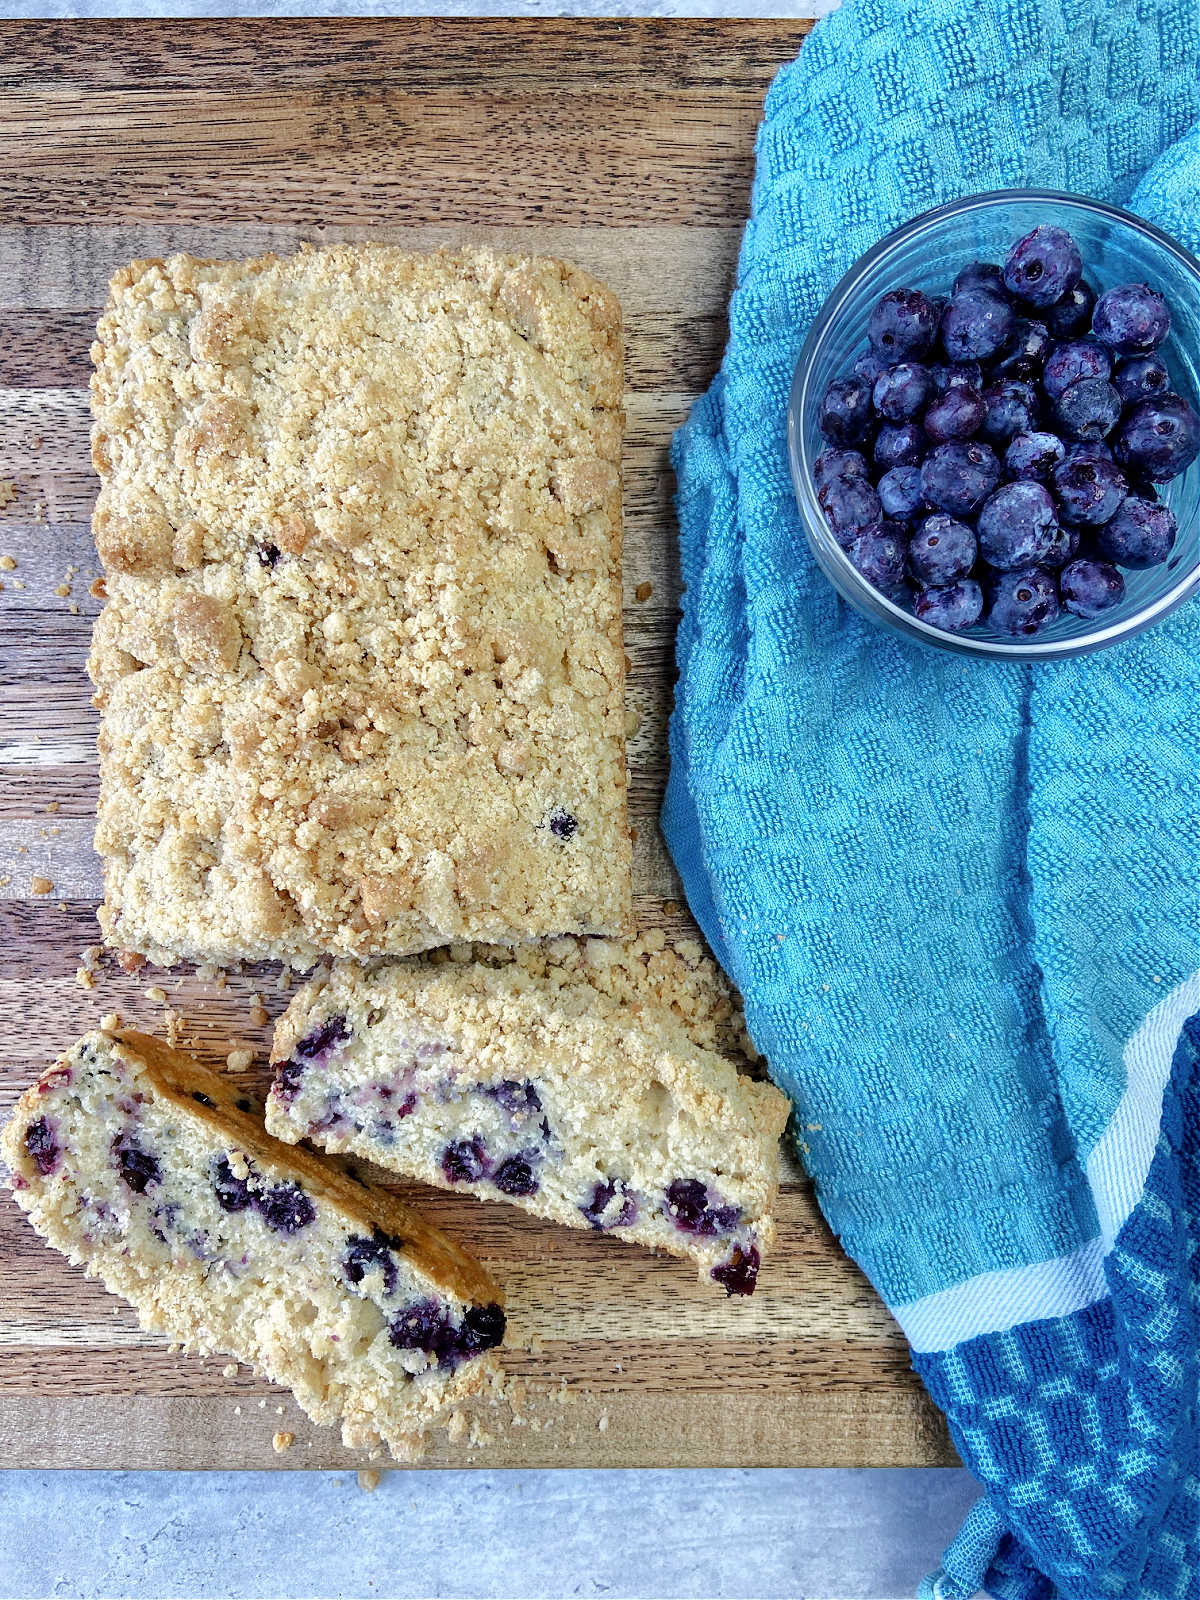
(156, 1176)
(542, 1090)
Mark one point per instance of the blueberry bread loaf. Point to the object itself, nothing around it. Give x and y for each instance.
(360, 667)
(154, 1174)
(541, 1090)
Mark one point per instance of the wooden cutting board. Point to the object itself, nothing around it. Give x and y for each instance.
(627, 146)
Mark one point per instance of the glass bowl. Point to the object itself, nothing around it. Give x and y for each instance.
(927, 254)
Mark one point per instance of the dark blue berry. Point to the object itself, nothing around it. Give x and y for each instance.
(848, 504)
(1089, 492)
(941, 550)
(323, 1038)
(1033, 455)
(903, 325)
(1067, 363)
(268, 555)
(1072, 314)
(287, 1080)
(957, 414)
(957, 375)
(687, 1202)
(518, 1099)
(836, 463)
(420, 1326)
(1140, 535)
(1017, 526)
(980, 275)
(599, 1208)
(879, 555)
(1089, 587)
(1089, 408)
(482, 1329)
(1012, 407)
(1090, 450)
(465, 1160)
(233, 1193)
(202, 1099)
(846, 416)
(514, 1176)
(957, 478)
(1043, 266)
(1140, 378)
(137, 1167)
(41, 1146)
(976, 325)
(899, 492)
(957, 606)
(869, 366)
(285, 1208)
(1025, 353)
(1065, 547)
(1160, 437)
(1022, 603)
(562, 824)
(902, 391)
(739, 1273)
(1131, 319)
(363, 1255)
(899, 444)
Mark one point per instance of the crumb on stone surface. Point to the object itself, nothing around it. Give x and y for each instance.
(369, 1479)
(40, 885)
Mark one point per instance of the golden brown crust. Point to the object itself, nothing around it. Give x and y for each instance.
(360, 516)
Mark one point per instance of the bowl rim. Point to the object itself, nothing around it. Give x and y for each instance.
(832, 559)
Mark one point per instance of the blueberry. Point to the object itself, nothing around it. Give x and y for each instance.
(285, 1208)
(980, 275)
(1065, 547)
(1024, 356)
(903, 325)
(957, 414)
(323, 1038)
(1090, 587)
(899, 492)
(879, 555)
(1090, 450)
(953, 608)
(599, 1208)
(202, 1099)
(1012, 407)
(1033, 455)
(846, 416)
(1072, 314)
(1140, 535)
(1089, 492)
(41, 1146)
(562, 824)
(976, 325)
(268, 555)
(849, 504)
(957, 375)
(957, 478)
(739, 1273)
(1088, 408)
(514, 1176)
(903, 391)
(482, 1329)
(465, 1160)
(1131, 319)
(1023, 602)
(1017, 526)
(869, 366)
(287, 1080)
(835, 463)
(899, 444)
(687, 1202)
(363, 1255)
(1160, 437)
(233, 1193)
(1043, 266)
(137, 1167)
(1140, 378)
(941, 550)
(519, 1099)
(1067, 363)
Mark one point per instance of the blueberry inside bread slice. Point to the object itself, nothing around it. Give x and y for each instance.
(156, 1175)
(534, 1090)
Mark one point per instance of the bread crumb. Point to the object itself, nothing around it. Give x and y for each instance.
(230, 1371)
(110, 1022)
(17, 584)
(237, 1411)
(456, 1427)
(369, 1479)
(8, 564)
(644, 591)
(130, 961)
(73, 608)
(63, 590)
(239, 1059)
(40, 885)
(632, 723)
(84, 979)
(52, 806)
(283, 1441)
(156, 995)
(602, 1424)
(97, 589)
(259, 1016)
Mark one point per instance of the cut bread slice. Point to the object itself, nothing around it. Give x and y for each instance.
(156, 1176)
(541, 1090)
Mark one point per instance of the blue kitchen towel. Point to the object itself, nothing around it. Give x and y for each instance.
(962, 899)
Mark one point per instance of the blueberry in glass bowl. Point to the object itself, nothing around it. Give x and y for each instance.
(1013, 466)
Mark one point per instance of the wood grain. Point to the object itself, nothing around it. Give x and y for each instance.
(628, 147)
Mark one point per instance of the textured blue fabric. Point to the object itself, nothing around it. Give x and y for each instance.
(950, 891)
